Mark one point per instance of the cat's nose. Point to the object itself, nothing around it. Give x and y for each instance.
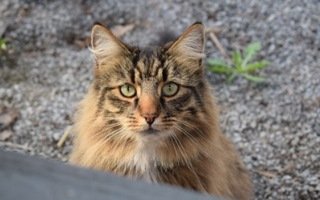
(150, 118)
(148, 108)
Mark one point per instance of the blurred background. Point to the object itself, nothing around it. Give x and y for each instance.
(46, 67)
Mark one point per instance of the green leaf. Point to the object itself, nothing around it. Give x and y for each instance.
(256, 79)
(252, 67)
(3, 45)
(217, 62)
(236, 58)
(220, 69)
(219, 66)
(249, 52)
(243, 64)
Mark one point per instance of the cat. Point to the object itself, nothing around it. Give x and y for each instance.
(150, 115)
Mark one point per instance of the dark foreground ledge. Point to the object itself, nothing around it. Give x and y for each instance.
(30, 178)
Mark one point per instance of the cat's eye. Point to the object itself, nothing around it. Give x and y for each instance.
(170, 89)
(128, 90)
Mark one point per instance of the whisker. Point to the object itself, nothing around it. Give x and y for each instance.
(186, 133)
(190, 135)
(194, 128)
(181, 149)
(189, 164)
(174, 147)
(111, 135)
(106, 133)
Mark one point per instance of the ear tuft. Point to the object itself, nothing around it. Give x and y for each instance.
(104, 44)
(190, 45)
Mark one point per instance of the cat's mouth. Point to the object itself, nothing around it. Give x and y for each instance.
(150, 130)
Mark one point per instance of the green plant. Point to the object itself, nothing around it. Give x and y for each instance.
(3, 44)
(241, 64)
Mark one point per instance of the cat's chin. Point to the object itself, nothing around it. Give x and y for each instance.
(154, 135)
(150, 131)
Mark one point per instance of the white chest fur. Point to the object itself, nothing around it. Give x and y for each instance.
(144, 161)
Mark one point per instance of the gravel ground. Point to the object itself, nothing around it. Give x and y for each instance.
(276, 126)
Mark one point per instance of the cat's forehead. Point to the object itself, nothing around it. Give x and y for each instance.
(149, 66)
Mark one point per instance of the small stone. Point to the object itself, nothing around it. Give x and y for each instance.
(56, 136)
(5, 135)
(7, 117)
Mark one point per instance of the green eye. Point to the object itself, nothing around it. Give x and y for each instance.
(127, 90)
(170, 89)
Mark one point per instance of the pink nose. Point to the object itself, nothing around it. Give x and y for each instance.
(150, 119)
(148, 108)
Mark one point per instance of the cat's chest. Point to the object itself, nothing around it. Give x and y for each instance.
(143, 163)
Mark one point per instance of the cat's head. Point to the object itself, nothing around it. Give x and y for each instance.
(156, 92)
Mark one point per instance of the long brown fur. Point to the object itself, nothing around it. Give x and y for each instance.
(184, 145)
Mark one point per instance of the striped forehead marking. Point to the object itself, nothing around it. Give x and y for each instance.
(149, 65)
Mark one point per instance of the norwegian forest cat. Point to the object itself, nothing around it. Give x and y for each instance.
(150, 115)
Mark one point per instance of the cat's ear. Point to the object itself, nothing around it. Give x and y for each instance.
(188, 49)
(104, 44)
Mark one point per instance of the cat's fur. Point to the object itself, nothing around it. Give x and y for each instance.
(185, 147)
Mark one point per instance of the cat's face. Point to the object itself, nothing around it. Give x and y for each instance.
(149, 93)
